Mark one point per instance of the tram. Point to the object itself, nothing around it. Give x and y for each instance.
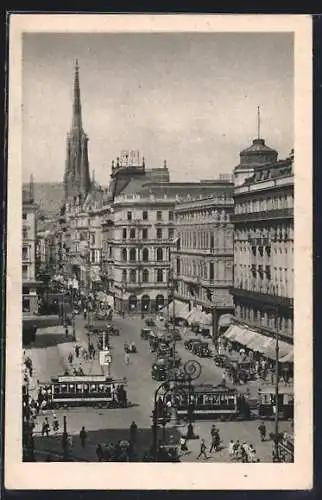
(267, 405)
(86, 390)
(212, 402)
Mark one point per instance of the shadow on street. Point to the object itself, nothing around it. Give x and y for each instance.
(50, 340)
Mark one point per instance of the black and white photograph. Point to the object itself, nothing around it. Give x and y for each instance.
(158, 276)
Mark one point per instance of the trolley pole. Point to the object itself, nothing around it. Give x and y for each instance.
(276, 397)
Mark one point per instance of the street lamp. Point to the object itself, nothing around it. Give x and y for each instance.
(176, 388)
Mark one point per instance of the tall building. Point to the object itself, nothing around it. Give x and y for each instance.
(77, 177)
(29, 228)
(203, 257)
(263, 248)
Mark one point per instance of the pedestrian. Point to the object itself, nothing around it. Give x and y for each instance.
(77, 350)
(262, 431)
(183, 444)
(127, 359)
(215, 440)
(55, 423)
(231, 449)
(85, 312)
(70, 358)
(66, 331)
(203, 448)
(223, 380)
(99, 452)
(45, 427)
(236, 449)
(133, 433)
(83, 436)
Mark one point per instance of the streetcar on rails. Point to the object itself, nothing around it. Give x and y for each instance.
(267, 402)
(210, 402)
(86, 390)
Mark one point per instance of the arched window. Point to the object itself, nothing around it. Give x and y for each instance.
(145, 255)
(124, 254)
(133, 276)
(132, 254)
(159, 254)
(145, 275)
(124, 275)
(159, 275)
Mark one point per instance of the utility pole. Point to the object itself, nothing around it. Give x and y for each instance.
(276, 395)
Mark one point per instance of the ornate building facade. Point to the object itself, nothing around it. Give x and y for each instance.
(29, 229)
(263, 242)
(203, 257)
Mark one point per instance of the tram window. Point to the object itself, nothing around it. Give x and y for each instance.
(108, 390)
(85, 387)
(56, 389)
(101, 388)
(79, 388)
(71, 387)
(63, 388)
(93, 388)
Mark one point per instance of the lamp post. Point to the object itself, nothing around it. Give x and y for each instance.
(65, 439)
(176, 388)
(277, 458)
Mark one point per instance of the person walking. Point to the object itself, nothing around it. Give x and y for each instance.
(231, 449)
(262, 431)
(55, 423)
(215, 440)
(99, 452)
(83, 437)
(66, 331)
(127, 359)
(133, 433)
(203, 448)
(183, 444)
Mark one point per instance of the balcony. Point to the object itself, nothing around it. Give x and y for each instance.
(278, 214)
(206, 283)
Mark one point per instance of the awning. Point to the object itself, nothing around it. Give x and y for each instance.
(289, 358)
(180, 309)
(232, 332)
(284, 350)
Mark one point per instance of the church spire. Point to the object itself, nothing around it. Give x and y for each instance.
(77, 108)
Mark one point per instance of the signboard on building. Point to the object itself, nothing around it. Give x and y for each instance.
(130, 158)
(105, 358)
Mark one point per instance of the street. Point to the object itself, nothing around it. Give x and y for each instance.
(111, 425)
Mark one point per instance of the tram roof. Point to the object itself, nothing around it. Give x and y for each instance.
(87, 379)
(270, 389)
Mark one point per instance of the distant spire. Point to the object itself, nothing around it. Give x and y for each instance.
(77, 109)
(31, 187)
(258, 123)
(165, 164)
(93, 177)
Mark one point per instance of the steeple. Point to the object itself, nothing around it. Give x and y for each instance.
(77, 108)
(76, 178)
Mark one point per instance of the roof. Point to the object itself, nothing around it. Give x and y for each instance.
(258, 146)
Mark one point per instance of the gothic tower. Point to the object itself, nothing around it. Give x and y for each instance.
(76, 178)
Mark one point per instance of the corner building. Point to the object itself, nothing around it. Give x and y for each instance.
(263, 246)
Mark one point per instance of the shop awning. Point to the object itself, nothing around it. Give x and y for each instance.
(180, 309)
(289, 358)
(233, 332)
(198, 316)
(284, 350)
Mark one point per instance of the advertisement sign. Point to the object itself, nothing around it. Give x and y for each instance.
(105, 358)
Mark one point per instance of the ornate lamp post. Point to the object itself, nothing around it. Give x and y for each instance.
(176, 388)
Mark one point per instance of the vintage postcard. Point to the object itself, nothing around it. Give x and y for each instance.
(159, 252)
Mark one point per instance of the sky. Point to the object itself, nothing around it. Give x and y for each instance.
(188, 98)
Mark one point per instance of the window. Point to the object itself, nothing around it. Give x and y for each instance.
(124, 233)
(24, 233)
(159, 215)
(211, 271)
(159, 233)
(92, 257)
(178, 267)
(24, 216)
(144, 234)
(132, 233)
(145, 275)
(24, 253)
(212, 242)
(132, 254)
(170, 215)
(92, 238)
(26, 305)
(129, 216)
(25, 272)
(159, 275)
(124, 276)
(145, 255)
(124, 254)
(133, 276)
(145, 215)
(159, 254)
(171, 233)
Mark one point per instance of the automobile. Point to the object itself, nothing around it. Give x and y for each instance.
(146, 333)
(150, 322)
(190, 343)
(202, 350)
(221, 360)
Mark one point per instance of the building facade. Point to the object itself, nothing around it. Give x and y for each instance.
(29, 231)
(203, 256)
(263, 242)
